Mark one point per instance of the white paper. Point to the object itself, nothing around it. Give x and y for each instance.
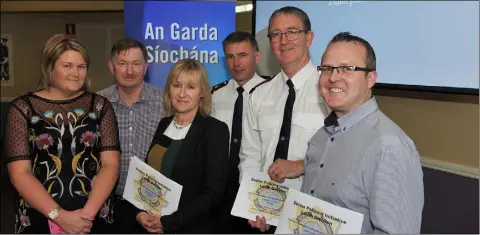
(149, 190)
(258, 195)
(304, 214)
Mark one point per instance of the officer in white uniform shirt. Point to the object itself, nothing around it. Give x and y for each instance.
(285, 112)
(230, 100)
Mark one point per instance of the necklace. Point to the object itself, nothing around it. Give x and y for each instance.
(178, 126)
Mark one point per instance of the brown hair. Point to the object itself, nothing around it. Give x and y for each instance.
(289, 10)
(53, 49)
(124, 44)
(195, 68)
(240, 36)
(370, 58)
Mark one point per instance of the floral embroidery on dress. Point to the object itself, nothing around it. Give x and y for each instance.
(99, 107)
(24, 221)
(34, 119)
(48, 114)
(88, 138)
(92, 115)
(53, 140)
(79, 112)
(43, 141)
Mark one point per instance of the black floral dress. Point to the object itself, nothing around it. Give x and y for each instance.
(63, 141)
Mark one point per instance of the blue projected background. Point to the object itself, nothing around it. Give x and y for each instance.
(427, 43)
(172, 30)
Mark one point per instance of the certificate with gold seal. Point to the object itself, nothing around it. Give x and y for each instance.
(304, 214)
(149, 190)
(258, 195)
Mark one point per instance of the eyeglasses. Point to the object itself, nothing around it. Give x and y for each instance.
(290, 34)
(344, 69)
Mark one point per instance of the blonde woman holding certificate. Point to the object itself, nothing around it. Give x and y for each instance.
(191, 148)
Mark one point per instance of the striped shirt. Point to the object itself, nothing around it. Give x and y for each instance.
(364, 162)
(136, 125)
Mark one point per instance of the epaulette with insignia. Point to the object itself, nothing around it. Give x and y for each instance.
(218, 86)
(264, 81)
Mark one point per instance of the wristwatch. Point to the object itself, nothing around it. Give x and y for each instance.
(53, 213)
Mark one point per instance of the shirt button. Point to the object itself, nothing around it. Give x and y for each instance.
(131, 112)
(332, 139)
(131, 128)
(321, 165)
(344, 128)
(130, 145)
(311, 191)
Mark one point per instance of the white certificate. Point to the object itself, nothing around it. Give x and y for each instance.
(304, 214)
(258, 195)
(149, 190)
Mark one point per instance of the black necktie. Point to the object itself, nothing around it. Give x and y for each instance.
(236, 137)
(284, 140)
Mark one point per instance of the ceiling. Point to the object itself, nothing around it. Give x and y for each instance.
(240, 3)
(42, 6)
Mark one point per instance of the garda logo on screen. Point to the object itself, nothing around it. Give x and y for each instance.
(177, 33)
(176, 30)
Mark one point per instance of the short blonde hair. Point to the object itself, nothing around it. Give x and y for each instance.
(53, 49)
(196, 69)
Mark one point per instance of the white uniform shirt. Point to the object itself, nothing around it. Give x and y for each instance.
(263, 121)
(223, 100)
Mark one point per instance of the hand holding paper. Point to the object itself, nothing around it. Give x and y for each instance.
(303, 213)
(259, 195)
(283, 169)
(150, 221)
(259, 224)
(149, 190)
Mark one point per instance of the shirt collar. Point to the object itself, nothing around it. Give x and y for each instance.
(113, 94)
(248, 85)
(334, 124)
(145, 95)
(301, 76)
(147, 92)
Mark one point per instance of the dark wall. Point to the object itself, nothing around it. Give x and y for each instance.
(7, 218)
(3, 116)
(6, 191)
(451, 203)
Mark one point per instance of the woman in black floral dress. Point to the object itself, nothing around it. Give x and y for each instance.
(63, 148)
